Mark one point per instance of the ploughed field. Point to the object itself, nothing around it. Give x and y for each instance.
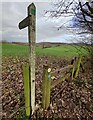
(70, 99)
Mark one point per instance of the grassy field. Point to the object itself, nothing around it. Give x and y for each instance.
(22, 50)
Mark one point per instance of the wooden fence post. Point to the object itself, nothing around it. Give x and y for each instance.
(72, 73)
(78, 67)
(48, 92)
(26, 89)
(46, 87)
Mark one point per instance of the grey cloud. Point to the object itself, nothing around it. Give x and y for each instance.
(14, 12)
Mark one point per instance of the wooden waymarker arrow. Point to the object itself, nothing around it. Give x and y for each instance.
(24, 23)
(30, 22)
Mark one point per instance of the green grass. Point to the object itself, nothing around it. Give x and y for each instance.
(14, 50)
(66, 50)
(21, 50)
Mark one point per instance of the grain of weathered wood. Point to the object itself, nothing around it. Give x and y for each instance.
(30, 21)
(44, 86)
(48, 92)
(72, 74)
(26, 88)
(59, 71)
(32, 40)
(24, 23)
(78, 67)
(53, 84)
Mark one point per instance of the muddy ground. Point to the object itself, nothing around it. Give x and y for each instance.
(70, 99)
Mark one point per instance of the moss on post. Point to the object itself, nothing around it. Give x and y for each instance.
(26, 89)
(78, 67)
(48, 92)
(72, 74)
(46, 86)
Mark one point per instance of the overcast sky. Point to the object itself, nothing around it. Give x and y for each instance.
(46, 28)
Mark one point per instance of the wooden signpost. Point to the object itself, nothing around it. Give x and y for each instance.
(30, 22)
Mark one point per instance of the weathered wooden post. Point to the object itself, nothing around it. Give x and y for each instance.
(46, 86)
(30, 21)
(27, 89)
(78, 66)
(32, 40)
